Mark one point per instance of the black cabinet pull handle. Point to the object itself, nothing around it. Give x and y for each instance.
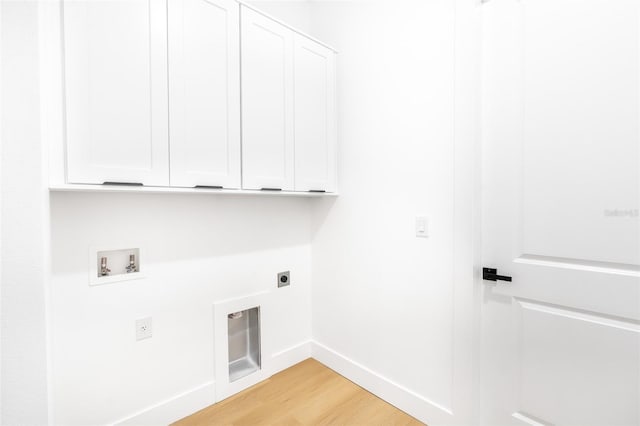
(317, 190)
(491, 274)
(270, 189)
(123, 183)
(207, 187)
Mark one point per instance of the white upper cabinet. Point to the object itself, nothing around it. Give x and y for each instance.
(195, 93)
(267, 103)
(204, 93)
(314, 112)
(115, 55)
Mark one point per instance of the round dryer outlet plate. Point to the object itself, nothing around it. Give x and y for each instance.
(284, 279)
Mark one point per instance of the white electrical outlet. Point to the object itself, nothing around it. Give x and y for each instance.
(144, 328)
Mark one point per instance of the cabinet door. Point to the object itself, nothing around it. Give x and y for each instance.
(314, 112)
(267, 103)
(116, 91)
(204, 92)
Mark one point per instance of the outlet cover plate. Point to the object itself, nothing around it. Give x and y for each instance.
(422, 227)
(144, 328)
(284, 279)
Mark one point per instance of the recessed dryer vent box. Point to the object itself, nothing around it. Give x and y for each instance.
(114, 265)
(244, 343)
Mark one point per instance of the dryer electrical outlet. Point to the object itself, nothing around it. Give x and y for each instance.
(284, 279)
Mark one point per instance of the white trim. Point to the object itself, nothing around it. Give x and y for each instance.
(194, 400)
(50, 73)
(174, 408)
(291, 356)
(191, 401)
(579, 265)
(575, 314)
(526, 419)
(176, 190)
(1, 203)
(295, 30)
(467, 283)
(51, 91)
(395, 394)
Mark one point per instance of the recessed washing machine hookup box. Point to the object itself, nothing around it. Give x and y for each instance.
(112, 265)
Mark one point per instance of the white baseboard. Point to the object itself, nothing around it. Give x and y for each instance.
(290, 357)
(395, 394)
(189, 402)
(172, 409)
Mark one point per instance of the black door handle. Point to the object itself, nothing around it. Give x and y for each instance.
(491, 274)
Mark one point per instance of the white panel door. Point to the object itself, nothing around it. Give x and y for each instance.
(561, 181)
(204, 86)
(315, 116)
(116, 91)
(267, 103)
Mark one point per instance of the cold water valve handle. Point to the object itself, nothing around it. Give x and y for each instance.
(132, 264)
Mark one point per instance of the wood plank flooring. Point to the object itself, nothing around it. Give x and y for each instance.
(306, 394)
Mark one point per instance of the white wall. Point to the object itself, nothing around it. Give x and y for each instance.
(23, 222)
(296, 13)
(382, 297)
(196, 250)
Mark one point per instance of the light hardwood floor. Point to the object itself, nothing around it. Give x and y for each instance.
(306, 394)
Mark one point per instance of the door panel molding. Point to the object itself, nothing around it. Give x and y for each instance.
(528, 419)
(580, 265)
(590, 357)
(581, 315)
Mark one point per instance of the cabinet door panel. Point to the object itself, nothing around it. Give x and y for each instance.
(314, 111)
(116, 91)
(204, 85)
(267, 103)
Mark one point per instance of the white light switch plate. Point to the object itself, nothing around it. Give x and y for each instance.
(144, 329)
(422, 227)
